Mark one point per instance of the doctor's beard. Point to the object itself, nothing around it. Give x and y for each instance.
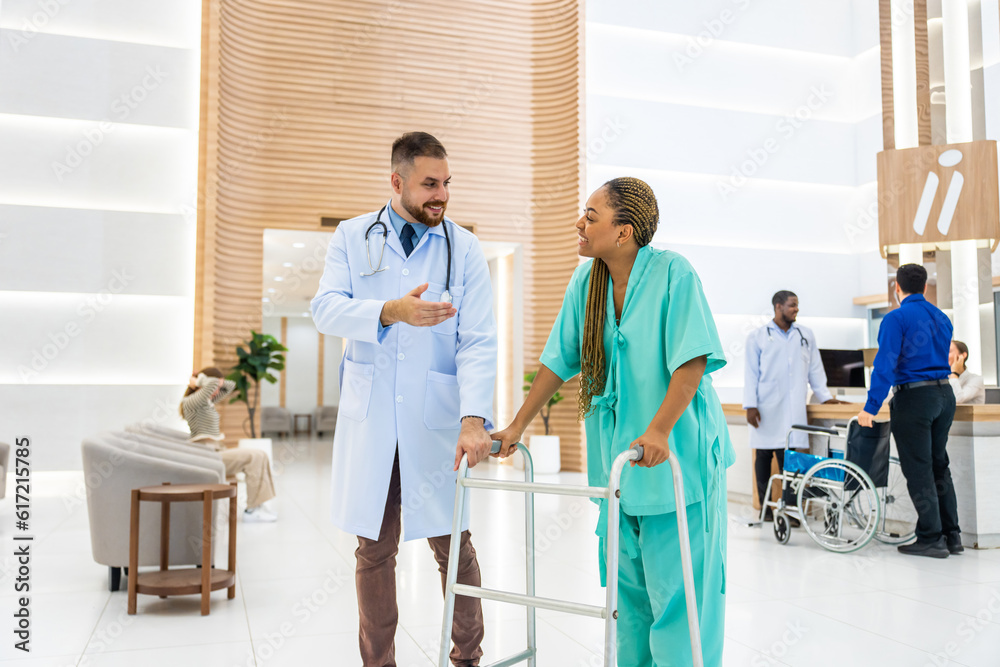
(420, 213)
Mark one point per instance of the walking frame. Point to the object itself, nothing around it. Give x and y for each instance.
(608, 612)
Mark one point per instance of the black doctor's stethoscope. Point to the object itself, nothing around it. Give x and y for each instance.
(802, 339)
(446, 295)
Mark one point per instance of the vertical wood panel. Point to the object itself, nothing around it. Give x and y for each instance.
(922, 52)
(303, 106)
(885, 53)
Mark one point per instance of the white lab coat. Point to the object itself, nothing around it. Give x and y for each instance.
(777, 369)
(408, 385)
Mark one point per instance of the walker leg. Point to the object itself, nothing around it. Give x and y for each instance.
(452, 576)
(529, 536)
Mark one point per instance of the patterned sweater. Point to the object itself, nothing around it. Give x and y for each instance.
(199, 406)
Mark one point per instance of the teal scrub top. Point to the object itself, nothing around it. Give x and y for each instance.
(665, 322)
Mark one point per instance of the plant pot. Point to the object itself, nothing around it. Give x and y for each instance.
(263, 444)
(544, 454)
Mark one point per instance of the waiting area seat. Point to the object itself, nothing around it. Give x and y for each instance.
(275, 420)
(116, 463)
(325, 419)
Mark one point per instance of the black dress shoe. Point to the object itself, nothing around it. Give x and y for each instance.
(938, 549)
(954, 542)
(768, 515)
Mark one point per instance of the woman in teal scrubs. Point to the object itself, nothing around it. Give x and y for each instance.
(635, 325)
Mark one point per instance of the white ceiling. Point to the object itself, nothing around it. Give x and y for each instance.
(298, 268)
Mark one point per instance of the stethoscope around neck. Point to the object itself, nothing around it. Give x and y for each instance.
(802, 339)
(446, 295)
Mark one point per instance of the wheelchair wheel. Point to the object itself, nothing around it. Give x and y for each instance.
(899, 517)
(839, 505)
(782, 528)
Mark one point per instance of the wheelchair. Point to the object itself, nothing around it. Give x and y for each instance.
(847, 498)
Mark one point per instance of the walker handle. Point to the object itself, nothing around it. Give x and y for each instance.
(638, 453)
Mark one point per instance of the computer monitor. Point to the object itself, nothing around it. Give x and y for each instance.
(844, 368)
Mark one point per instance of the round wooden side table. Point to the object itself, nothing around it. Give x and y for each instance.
(186, 581)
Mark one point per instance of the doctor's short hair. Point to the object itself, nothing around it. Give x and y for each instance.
(412, 145)
(911, 278)
(781, 297)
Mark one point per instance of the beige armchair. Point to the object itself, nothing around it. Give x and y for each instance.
(112, 467)
(325, 419)
(275, 420)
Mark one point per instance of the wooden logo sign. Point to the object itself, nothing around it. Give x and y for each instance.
(933, 194)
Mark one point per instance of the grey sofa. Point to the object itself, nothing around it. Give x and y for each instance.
(275, 420)
(325, 419)
(113, 465)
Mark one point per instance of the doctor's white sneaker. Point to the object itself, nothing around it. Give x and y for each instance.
(259, 515)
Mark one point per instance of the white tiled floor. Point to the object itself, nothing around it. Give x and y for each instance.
(295, 603)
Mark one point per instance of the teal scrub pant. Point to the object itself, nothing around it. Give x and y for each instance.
(652, 611)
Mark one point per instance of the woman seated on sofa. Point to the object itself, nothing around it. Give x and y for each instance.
(198, 407)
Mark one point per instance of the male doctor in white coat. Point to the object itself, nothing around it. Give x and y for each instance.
(781, 356)
(417, 384)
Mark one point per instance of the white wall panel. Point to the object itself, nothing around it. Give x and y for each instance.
(88, 164)
(176, 23)
(270, 394)
(742, 281)
(650, 65)
(85, 339)
(722, 142)
(54, 75)
(57, 418)
(821, 27)
(81, 249)
(761, 214)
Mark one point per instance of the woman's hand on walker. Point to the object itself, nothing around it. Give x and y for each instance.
(510, 436)
(655, 449)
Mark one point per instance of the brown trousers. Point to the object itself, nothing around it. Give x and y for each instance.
(376, 581)
(254, 464)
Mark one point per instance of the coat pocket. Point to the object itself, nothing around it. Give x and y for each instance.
(441, 402)
(356, 390)
(434, 290)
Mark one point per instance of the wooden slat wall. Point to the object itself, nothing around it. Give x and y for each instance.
(301, 102)
(922, 53)
(885, 56)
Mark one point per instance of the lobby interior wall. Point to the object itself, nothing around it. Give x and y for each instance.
(98, 173)
(757, 124)
(301, 103)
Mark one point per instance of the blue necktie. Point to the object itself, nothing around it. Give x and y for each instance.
(406, 238)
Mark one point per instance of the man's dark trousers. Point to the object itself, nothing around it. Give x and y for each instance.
(921, 418)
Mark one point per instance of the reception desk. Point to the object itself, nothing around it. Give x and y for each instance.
(973, 447)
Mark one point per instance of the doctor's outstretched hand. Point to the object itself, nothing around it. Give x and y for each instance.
(416, 312)
(473, 441)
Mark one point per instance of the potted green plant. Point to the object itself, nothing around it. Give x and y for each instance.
(262, 354)
(544, 448)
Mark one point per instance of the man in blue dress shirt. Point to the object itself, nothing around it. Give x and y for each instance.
(913, 344)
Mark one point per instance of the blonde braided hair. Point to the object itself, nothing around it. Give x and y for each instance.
(633, 203)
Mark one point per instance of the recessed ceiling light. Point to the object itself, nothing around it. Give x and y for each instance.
(265, 299)
(271, 290)
(278, 279)
(288, 265)
(305, 314)
(298, 245)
